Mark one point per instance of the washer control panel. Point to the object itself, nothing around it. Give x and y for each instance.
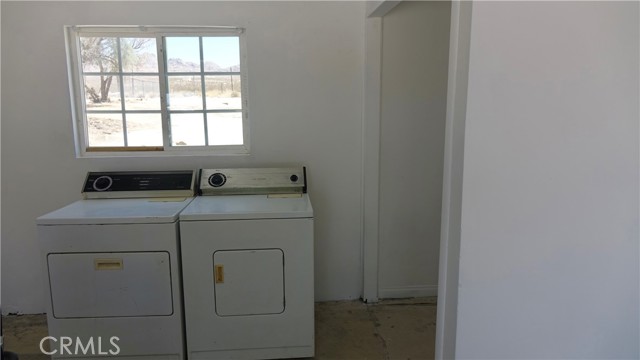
(250, 181)
(136, 184)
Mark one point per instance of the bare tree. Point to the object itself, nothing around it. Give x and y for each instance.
(101, 54)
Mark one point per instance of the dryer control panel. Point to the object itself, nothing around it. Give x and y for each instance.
(138, 184)
(251, 181)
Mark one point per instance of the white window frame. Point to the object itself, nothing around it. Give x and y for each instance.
(78, 106)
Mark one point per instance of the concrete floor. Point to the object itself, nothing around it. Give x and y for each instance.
(390, 329)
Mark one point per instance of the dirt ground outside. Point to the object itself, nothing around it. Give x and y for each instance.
(187, 129)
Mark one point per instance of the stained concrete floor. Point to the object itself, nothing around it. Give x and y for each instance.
(390, 329)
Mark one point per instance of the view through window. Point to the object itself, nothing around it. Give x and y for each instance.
(142, 90)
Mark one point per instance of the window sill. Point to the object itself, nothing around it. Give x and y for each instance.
(166, 153)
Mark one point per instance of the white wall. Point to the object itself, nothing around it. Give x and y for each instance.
(415, 48)
(305, 64)
(549, 244)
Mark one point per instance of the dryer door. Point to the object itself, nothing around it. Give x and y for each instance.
(248, 282)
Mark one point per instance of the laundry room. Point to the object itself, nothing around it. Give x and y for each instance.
(284, 179)
(303, 71)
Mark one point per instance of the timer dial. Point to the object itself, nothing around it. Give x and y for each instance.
(102, 183)
(217, 179)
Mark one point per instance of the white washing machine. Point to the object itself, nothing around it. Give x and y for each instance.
(113, 267)
(247, 255)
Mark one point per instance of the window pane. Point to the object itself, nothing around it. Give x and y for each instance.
(99, 54)
(141, 92)
(102, 92)
(223, 92)
(187, 129)
(183, 54)
(221, 53)
(144, 129)
(139, 55)
(224, 128)
(105, 130)
(185, 92)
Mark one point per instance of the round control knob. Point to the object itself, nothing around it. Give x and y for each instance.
(217, 179)
(294, 178)
(102, 183)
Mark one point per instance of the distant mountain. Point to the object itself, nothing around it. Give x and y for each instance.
(179, 65)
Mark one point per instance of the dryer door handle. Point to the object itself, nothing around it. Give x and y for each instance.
(219, 274)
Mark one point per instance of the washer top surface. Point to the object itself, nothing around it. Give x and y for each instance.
(246, 207)
(117, 211)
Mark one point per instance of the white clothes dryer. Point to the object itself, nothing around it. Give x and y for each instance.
(113, 267)
(247, 255)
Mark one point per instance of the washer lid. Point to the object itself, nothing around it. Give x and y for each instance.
(245, 207)
(117, 211)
